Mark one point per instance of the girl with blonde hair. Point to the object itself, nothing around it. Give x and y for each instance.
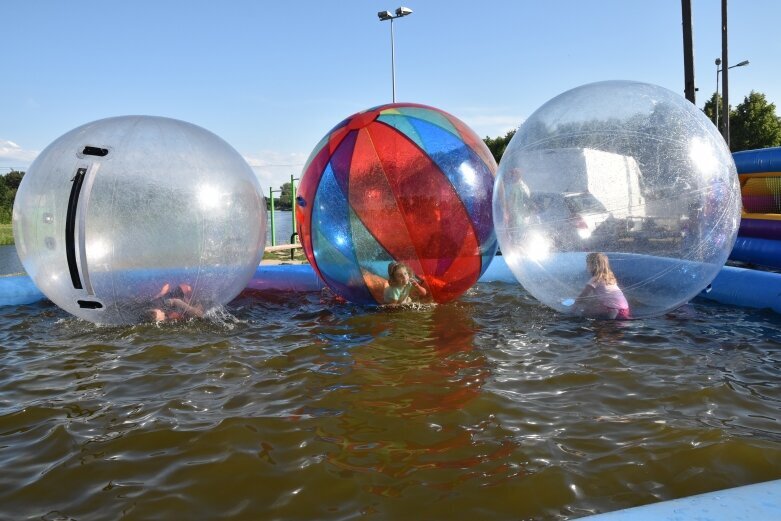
(602, 298)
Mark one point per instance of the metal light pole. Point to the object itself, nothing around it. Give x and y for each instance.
(718, 71)
(725, 63)
(717, 107)
(386, 15)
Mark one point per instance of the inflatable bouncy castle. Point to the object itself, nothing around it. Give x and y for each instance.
(759, 236)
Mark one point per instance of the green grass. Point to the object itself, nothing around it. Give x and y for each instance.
(6, 234)
(284, 255)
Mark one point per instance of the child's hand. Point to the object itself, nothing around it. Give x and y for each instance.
(421, 291)
(164, 291)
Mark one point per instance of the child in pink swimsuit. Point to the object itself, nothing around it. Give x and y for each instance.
(602, 298)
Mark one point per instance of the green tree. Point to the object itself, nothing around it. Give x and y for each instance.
(497, 145)
(8, 185)
(13, 178)
(5, 207)
(286, 196)
(754, 124)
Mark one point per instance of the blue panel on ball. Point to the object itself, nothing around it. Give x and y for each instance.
(488, 254)
(341, 160)
(470, 177)
(330, 214)
(403, 125)
(332, 241)
(340, 273)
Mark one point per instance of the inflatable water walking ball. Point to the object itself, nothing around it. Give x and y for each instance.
(624, 168)
(124, 218)
(398, 183)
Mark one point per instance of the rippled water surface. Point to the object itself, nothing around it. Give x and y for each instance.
(300, 407)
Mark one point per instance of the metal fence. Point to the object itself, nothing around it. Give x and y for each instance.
(272, 218)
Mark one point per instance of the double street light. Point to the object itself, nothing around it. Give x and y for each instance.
(725, 102)
(387, 15)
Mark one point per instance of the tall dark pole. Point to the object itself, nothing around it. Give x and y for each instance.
(724, 73)
(688, 50)
(717, 107)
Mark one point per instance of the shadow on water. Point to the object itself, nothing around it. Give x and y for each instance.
(295, 406)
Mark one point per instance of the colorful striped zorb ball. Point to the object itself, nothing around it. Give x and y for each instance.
(400, 182)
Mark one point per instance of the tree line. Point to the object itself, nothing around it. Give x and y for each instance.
(9, 183)
(285, 199)
(753, 124)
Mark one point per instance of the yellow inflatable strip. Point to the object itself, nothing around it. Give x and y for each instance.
(762, 186)
(759, 174)
(762, 216)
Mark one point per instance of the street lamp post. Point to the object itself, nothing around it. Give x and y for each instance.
(716, 101)
(387, 15)
(718, 71)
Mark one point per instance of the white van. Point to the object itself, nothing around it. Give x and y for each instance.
(612, 179)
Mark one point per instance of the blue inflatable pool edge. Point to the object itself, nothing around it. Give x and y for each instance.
(761, 501)
(18, 290)
(733, 286)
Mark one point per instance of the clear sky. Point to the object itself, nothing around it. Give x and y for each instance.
(272, 78)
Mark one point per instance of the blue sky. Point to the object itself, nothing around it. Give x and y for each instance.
(272, 78)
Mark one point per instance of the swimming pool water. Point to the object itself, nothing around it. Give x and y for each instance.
(300, 407)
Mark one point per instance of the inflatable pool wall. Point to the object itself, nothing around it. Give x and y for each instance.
(734, 286)
(758, 502)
